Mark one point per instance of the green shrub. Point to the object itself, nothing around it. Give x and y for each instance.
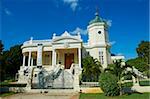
(144, 83)
(109, 85)
(12, 85)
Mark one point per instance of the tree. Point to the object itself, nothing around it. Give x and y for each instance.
(138, 63)
(15, 59)
(11, 61)
(119, 70)
(91, 69)
(142, 61)
(1, 47)
(1, 50)
(143, 50)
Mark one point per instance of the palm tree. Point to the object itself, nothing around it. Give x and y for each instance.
(91, 68)
(119, 70)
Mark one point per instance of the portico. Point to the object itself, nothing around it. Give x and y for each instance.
(63, 50)
(43, 61)
(51, 58)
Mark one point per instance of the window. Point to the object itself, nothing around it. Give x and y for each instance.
(35, 75)
(99, 32)
(46, 59)
(101, 57)
(34, 62)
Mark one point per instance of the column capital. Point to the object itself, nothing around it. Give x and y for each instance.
(79, 47)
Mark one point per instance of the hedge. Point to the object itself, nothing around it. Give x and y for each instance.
(144, 83)
(12, 85)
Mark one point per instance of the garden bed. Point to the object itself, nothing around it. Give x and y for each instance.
(6, 84)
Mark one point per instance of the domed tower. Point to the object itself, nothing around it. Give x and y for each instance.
(98, 40)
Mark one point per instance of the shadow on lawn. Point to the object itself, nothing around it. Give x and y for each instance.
(129, 91)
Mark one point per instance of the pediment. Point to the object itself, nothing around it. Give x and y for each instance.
(66, 39)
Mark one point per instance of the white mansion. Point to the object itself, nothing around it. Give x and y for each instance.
(56, 62)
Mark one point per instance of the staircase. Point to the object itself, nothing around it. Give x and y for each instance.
(64, 80)
(56, 78)
(138, 73)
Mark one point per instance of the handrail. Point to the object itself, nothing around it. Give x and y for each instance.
(140, 74)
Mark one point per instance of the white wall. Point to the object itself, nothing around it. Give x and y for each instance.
(98, 42)
(114, 58)
(94, 36)
(94, 52)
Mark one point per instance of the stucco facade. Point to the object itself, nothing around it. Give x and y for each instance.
(56, 62)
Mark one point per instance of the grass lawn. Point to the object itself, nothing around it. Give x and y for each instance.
(102, 96)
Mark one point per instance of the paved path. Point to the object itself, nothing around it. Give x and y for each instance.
(41, 96)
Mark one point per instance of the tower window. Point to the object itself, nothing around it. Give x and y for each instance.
(99, 32)
(35, 75)
(101, 57)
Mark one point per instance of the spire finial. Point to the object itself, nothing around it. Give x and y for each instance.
(97, 11)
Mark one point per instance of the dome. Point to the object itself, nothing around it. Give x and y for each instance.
(96, 19)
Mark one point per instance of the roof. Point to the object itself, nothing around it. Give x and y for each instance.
(97, 19)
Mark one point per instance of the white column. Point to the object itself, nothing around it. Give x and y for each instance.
(29, 59)
(39, 55)
(76, 79)
(54, 57)
(79, 56)
(58, 58)
(32, 61)
(24, 58)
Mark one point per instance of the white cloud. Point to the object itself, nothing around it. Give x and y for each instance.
(73, 3)
(113, 42)
(119, 54)
(7, 12)
(109, 22)
(82, 31)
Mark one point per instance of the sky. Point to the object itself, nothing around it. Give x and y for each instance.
(22, 19)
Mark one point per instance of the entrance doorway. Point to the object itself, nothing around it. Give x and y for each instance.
(69, 59)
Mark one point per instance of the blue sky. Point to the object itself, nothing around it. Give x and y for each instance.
(22, 19)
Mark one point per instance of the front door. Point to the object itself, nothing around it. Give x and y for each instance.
(69, 59)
